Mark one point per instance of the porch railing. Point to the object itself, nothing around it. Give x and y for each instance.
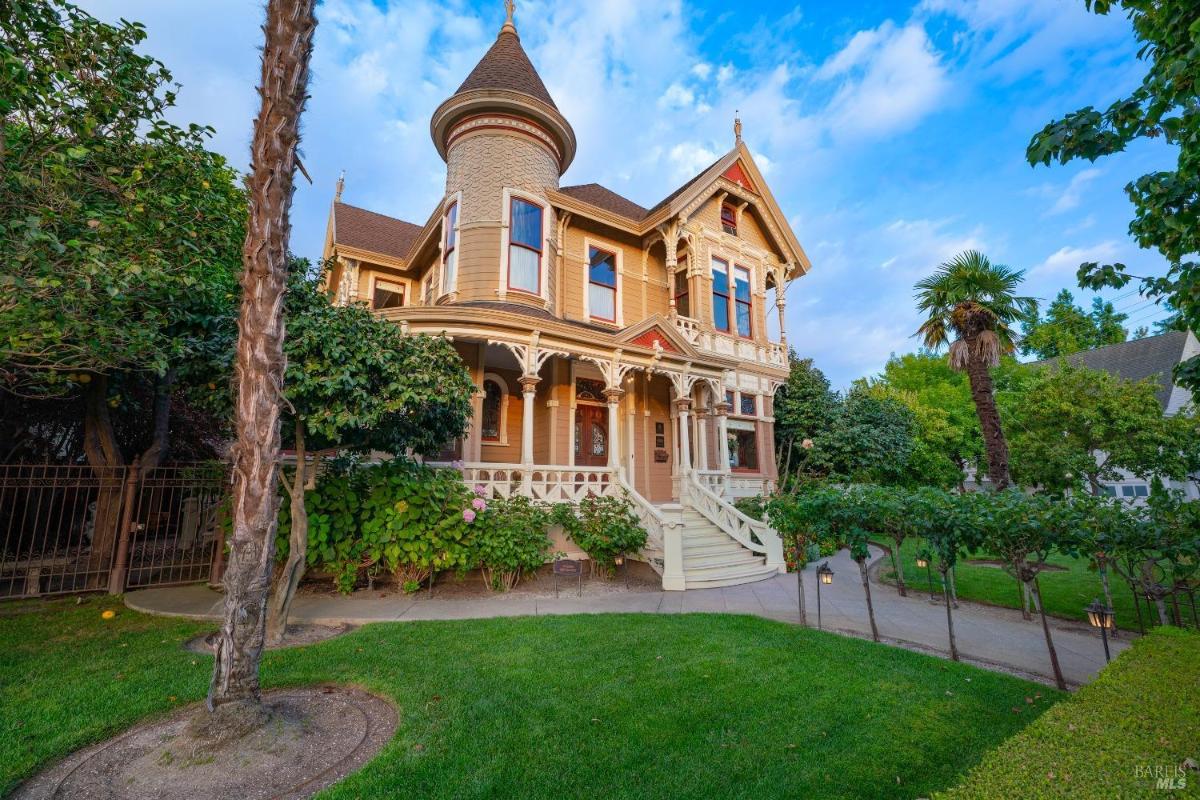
(750, 533)
(552, 484)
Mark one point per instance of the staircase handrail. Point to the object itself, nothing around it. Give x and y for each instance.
(730, 520)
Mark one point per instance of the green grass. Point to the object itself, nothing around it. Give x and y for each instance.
(1143, 711)
(605, 706)
(1065, 593)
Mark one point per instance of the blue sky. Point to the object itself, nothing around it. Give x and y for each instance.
(892, 133)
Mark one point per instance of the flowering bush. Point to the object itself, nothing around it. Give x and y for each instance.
(605, 527)
(510, 539)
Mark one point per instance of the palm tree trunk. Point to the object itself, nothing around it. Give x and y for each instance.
(949, 617)
(989, 422)
(1059, 681)
(260, 362)
(862, 570)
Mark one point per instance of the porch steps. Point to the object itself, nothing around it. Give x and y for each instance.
(712, 558)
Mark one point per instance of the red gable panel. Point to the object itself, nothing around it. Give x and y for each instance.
(735, 174)
(653, 335)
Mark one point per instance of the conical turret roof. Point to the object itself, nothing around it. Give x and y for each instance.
(506, 66)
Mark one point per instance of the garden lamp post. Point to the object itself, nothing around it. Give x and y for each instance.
(923, 563)
(1101, 616)
(825, 576)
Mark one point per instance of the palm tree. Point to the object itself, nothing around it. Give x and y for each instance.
(973, 300)
(259, 366)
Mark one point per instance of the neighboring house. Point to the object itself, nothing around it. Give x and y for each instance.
(1152, 357)
(614, 347)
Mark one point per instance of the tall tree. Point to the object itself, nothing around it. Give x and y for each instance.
(259, 369)
(975, 302)
(356, 382)
(1167, 202)
(805, 410)
(1066, 328)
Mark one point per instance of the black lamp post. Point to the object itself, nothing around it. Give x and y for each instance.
(825, 576)
(1101, 616)
(923, 563)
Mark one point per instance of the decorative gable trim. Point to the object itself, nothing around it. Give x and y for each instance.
(736, 175)
(657, 328)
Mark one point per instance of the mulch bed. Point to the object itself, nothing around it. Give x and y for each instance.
(315, 737)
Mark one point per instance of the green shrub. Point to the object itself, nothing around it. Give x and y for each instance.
(753, 507)
(397, 516)
(510, 539)
(604, 527)
(1142, 712)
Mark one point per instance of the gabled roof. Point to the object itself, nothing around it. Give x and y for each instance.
(1151, 357)
(605, 198)
(376, 233)
(506, 66)
(662, 329)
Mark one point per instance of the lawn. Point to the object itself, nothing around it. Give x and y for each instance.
(611, 706)
(1065, 592)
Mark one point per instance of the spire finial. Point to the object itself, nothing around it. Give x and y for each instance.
(737, 128)
(510, 8)
(341, 184)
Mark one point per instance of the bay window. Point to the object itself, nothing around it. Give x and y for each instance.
(741, 298)
(720, 294)
(525, 246)
(602, 284)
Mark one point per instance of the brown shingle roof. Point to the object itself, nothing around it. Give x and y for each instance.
(366, 230)
(505, 66)
(602, 197)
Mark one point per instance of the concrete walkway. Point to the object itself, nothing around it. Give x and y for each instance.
(994, 637)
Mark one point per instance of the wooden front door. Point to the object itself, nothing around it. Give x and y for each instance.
(591, 436)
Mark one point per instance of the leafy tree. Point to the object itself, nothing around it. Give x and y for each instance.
(946, 439)
(889, 513)
(800, 518)
(1074, 426)
(1167, 202)
(1067, 328)
(975, 302)
(805, 410)
(948, 531)
(354, 381)
(234, 695)
(871, 440)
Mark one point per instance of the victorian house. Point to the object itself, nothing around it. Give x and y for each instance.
(615, 348)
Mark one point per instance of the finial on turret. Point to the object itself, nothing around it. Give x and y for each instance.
(510, 8)
(737, 128)
(341, 184)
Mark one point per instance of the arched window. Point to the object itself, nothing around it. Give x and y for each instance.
(728, 219)
(493, 426)
(450, 249)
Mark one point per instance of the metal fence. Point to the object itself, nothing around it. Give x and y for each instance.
(68, 529)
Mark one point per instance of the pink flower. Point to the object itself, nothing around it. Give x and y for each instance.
(480, 489)
(479, 503)
(457, 464)
(469, 515)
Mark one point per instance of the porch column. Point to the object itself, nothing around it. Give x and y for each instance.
(473, 447)
(529, 384)
(682, 404)
(779, 305)
(613, 396)
(723, 437)
(702, 415)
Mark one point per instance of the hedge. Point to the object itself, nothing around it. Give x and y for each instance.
(1142, 713)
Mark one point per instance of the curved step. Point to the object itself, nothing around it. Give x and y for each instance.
(711, 579)
(736, 559)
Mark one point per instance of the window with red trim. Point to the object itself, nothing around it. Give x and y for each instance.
(450, 248)
(728, 219)
(525, 246)
(602, 284)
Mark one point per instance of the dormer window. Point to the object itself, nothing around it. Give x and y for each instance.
(387, 294)
(450, 249)
(602, 285)
(525, 246)
(728, 219)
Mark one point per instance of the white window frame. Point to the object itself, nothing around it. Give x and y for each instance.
(618, 314)
(504, 396)
(505, 223)
(454, 200)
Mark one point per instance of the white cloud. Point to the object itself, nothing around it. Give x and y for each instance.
(676, 97)
(1063, 262)
(702, 70)
(1073, 193)
(688, 158)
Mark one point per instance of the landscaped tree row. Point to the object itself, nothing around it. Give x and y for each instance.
(1155, 548)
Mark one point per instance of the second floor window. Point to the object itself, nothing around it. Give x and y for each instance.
(720, 292)
(387, 295)
(683, 305)
(525, 247)
(602, 284)
(742, 303)
(450, 257)
(728, 219)
(749, 405)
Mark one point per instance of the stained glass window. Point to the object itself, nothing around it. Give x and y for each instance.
(599, 439)
(588, 389)
(492, 397)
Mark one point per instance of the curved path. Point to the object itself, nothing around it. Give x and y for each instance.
(992, 637)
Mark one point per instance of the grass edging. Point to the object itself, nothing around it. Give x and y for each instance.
(1107, 740)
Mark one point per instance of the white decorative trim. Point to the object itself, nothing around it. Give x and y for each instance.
(547, 239)
(515, 124)
(452, 200)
